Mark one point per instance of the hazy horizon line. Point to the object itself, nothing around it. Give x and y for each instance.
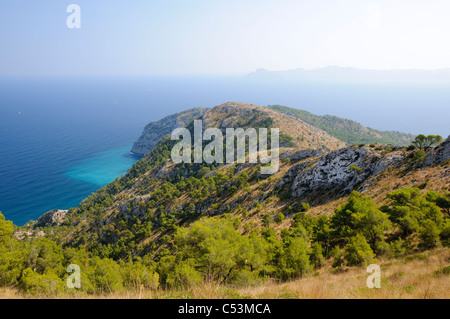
(200, 74)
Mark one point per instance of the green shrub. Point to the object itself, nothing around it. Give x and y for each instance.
(244, 277)
(136, 275)
(410, 289)
(295, 261)
(258, 206)
(12, 263)
(418, 158)
(217, 248)
(279, 218)
(398, 248)
(337, 255)
(429, 234)
(183, 275)
(267, 220)
(286, 140)
(445, 234)
(305, 206)
(359, 215)
(34, 283)
(358, 252)
(355, 168)
(443, 272)
(382, 248)
(104, 275)
(415, 257)
(317, 260)
(6, 230)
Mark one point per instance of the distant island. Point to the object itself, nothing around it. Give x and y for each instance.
(354, 74)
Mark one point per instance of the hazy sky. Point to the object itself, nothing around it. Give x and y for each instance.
(221, 36)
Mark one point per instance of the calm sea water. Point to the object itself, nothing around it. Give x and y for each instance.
(62, 139)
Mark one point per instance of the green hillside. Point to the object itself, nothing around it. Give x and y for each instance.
(346, 130)
(167, 227)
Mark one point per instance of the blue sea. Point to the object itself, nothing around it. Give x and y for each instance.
(63, 138)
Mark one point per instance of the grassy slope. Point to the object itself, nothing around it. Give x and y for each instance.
(413, 277)
(346, 130)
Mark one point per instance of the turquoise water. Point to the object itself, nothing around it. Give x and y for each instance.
(104, 167)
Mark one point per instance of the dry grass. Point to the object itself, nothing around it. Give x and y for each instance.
(406, 278)
(10, 293)
(412, 277)
(304, 134)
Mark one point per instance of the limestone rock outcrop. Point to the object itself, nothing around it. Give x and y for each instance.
(439, 155)
(54, 217)
(337, 173)
(154, 131)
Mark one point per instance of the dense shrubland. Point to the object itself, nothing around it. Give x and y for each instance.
(346, 130)
(214, 249)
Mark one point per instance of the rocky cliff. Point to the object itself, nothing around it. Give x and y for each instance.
(154, 131)
(439, 154)
(54, 217)
(236, 114)
(337, 173)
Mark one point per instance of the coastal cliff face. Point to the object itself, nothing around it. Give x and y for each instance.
(54, 217)
(236, 114)
(154, 131)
